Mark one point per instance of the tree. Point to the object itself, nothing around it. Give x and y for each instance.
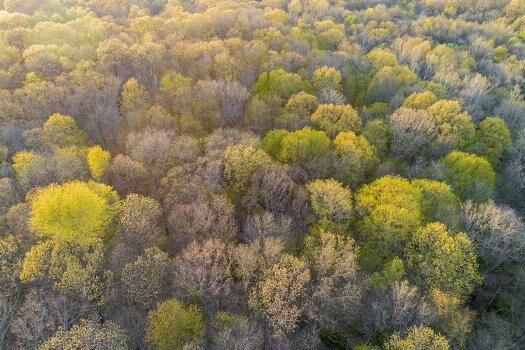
(453, 320)
(471, 176)
(420, 100)
(88, 335)
(302, 104)
(146, 280)
(77, 212)
(273, 188)
(252, 259)
(455, 129)
(62, 131)
(492, 140)
(357, 155)
(397, 308)
(335, 119)
(127, 175)
(241, 162)
(330, 200)
(133, 96)
(337, 291)
(438, 203)
(272, 141)
(379, 135)
(202, 271)
(140, 222)
(388, 81)
(390, 211)
(280, 294)
(281, 83)
(417, 338)
(380, 58)
(159, 150)
(413, 131)
(31, 169)
(70, 268)
(233, 96)
(303, 146)
(98, 161)
(497, 232)
(327, 78)
(173, 324)
(237, 332)
(457, 274)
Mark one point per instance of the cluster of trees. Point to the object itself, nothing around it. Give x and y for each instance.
(303, 174)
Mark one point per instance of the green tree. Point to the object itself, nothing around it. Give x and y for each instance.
(470, 176)
(437, 259)
(357, 155)
(417, 338)
(98, 161)
(438, 203)
(78, 212)
(303, 146)
(492, 139)
(379, 135)
(336, 118)
(281, 83)
(173, 324)
(272, 141)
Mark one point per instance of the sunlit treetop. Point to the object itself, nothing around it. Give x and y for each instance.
(78, 212)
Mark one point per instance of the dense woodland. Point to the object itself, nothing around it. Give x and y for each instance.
(274, 174)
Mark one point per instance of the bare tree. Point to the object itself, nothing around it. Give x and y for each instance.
(233, 96)
(497, 231)
(412, 131)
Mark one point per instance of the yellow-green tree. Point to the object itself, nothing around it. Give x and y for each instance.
(133, 96)
(420, 100)
(417, 338)
(62, 131)
(327, 78)
(437, 259)
(357, 155)
(390, 211)
(69, 267)
(471, 176)
(336, 118)
(98, 161)
(172, 324)
(241, 162)
(78, 212)
(303, 146)
(455, 128)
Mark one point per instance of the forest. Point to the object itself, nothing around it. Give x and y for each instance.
(262, 175)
